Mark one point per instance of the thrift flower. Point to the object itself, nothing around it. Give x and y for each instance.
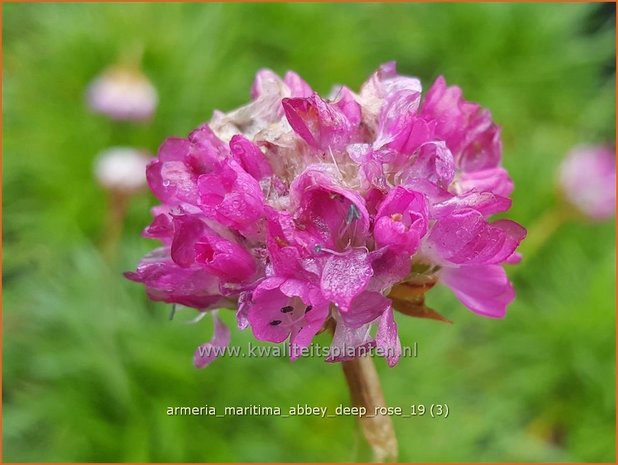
(306, 213)
(588, 180)
(122, 169)
(123, 94)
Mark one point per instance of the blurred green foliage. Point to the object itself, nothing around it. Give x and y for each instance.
(89, 365)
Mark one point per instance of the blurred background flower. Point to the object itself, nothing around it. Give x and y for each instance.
(90, 365)
(123, 93)
(588, 180)
(122, 169)
(121, 172)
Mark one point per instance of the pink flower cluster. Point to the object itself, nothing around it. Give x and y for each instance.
(303, 212)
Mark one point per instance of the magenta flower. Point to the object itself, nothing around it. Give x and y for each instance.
(308, 213)
(588, 180)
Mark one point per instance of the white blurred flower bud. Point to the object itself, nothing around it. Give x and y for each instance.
(122, 169)
(123, 94)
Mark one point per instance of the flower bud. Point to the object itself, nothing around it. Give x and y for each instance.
(122, 169)
(588, 180)
(123, 94)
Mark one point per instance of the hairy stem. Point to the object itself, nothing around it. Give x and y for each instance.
(366, 391)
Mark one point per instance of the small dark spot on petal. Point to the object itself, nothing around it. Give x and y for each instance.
(287, 309)
(275, 322)
(308, 309)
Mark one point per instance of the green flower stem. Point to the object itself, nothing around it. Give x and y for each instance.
(117, 204)
(544, 228)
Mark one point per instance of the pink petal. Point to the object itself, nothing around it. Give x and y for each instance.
(484, 289)
(187, 230)
(250, 157)
(208, 352)
(486, 203)
(349, 343)
(345, 276)
(172, 177)
(231, 197)
(298, 87)
(326, 213)
(265, 308)
(401, 220)
(466, 237)
(387, 338)
(319, 123)
(494, 180)
(161, 228)
(432, 161)
(167, 282)
(348, 105)
(389, 268)
(226, 259)
(365, 308)
(398, 129)
(466, 127)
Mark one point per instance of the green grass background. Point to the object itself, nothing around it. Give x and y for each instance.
(89, 365)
